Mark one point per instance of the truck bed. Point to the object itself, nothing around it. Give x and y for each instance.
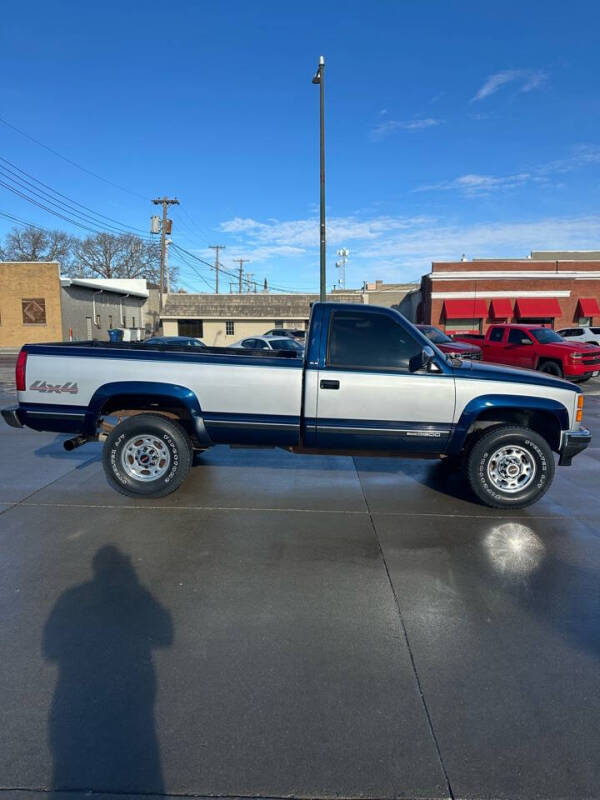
(92, 346)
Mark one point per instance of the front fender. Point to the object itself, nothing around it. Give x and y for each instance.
(475, 407)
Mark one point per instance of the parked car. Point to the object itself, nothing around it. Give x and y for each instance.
(449, 346)
(294, 333)
(536, 347)
(176, 341)
(371, 383)
(270, 343)
(584, 333)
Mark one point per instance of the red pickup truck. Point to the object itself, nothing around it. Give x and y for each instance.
(536, 347)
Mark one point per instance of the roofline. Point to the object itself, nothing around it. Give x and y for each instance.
(85, 284)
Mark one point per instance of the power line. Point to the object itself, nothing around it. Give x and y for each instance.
(29, 189)
(70, 161)
(228, 272)
(49, 210)
(60, 194)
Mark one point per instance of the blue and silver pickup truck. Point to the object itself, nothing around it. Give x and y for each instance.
(369, 383)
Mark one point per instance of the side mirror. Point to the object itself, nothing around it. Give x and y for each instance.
(422, 360)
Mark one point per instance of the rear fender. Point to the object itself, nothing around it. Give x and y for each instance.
(140, 391)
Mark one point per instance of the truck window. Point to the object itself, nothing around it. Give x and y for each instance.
(496, 334)
(369, 340)
(546, 336)
(515, 336)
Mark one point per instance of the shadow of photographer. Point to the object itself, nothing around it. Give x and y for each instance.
(101, 634)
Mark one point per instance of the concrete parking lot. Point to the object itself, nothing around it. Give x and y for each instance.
(295, 626)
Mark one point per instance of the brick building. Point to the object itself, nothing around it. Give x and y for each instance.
(554, 289)
(38, 305)
(30, 307)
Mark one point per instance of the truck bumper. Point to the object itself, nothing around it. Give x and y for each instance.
(11, 416)
(572, 443)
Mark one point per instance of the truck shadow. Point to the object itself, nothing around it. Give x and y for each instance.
(101, 634)
(441, 476)
(275, 458)
(87, 454)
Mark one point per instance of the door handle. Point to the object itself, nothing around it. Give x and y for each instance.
(330, 384)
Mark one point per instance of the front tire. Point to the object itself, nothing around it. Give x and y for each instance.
(510, 467)
(147, 456)
(551, 368)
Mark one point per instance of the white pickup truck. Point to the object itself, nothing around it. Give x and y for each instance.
(369, 383)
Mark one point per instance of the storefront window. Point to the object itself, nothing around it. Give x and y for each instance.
(586, 321)
(463, 325)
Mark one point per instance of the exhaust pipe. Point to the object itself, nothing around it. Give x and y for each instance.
(76, 441)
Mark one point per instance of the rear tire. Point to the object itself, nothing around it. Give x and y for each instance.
(552, 368)
(510, 467)
(147, 456)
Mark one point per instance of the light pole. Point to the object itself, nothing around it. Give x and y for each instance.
(320, 79)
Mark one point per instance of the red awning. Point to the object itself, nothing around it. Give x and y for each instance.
(501, 308)
(538, 307)
(588, 307)
(465, 309)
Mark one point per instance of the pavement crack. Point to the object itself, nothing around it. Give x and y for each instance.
(206, 796)
(407, 640)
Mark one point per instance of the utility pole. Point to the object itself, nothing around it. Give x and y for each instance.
(164, 202)
(249, 281)
(320, 79)
(216, 248)
(164, 229)
(167, 243)
(241, 262)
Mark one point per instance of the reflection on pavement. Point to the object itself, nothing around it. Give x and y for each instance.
(514, 549)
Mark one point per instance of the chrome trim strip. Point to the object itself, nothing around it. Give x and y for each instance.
(404, 431)
(235, 423)
(31, 413)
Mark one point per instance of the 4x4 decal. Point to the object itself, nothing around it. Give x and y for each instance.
(58, 388)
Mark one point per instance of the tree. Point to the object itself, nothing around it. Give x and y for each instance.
(35, 244)
(29, 244)
(103, 255)
(106, 255)
(61, 247)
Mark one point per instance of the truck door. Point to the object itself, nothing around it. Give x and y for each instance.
(368, 398)
(494, 346)
(520, 347)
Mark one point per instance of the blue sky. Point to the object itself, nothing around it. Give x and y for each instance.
(451, 126)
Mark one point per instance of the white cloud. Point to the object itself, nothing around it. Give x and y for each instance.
(582, 155)
(474, 184)
(402, 248)
(390, 126)
(527, 80)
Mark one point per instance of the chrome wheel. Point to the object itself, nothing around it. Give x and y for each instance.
(145, 458)
(511, 468)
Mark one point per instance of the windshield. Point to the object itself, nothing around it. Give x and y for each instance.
(434, 335)
(546, 336)
(286, 344)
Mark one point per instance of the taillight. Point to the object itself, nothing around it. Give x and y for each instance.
(20, 371)
(579, 415)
